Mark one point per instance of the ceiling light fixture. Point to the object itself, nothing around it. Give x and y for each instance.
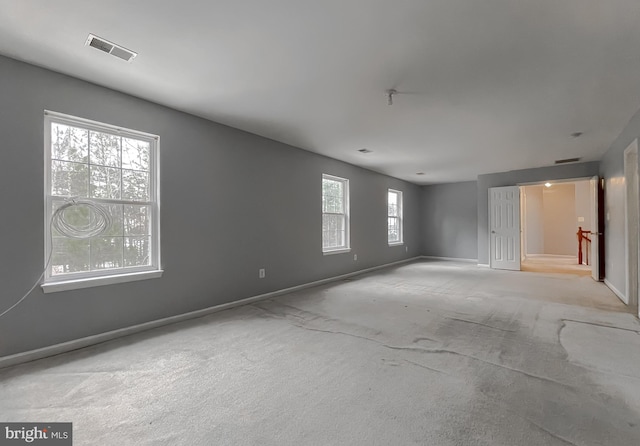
(576, 134)
(419, 173)
(390, 94)
(365, 150)
(547, 184)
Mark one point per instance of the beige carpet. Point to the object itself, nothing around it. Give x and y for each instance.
(431, 353)
(555, 264)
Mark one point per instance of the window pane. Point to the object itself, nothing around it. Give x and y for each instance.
(105, 149)
(135, 154)
(135, 185)
(393, 204)
(69, 179)
(332, 196)
(137, 251)
(115, 211)
(106, 253)
(394, 229)
(69, 255)
(136, 220)
(105, 182)
(69, 143)
(333, 231)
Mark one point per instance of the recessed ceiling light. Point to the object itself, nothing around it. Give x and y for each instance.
(365, 150)
(419, 173)
(576, 134)
(547, 184)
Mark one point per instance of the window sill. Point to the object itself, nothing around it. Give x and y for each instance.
(336, 251)
(396, 244)
(76, 284)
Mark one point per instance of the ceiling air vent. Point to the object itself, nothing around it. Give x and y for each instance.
(365, 150)
(111, 48)
(567, 161)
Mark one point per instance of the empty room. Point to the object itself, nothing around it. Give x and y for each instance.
(354, 222)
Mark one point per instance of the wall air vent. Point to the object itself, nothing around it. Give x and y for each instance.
(567, 161)
(111, 48)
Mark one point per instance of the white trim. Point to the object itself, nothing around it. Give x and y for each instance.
(616, 291)
(76, 344)
(451, 259)
(400, 216)
(631, 274)
(86, 279)
(97, 126)
(396, 244)
(346, 214)
(483, 265)
(555, 256)
(54, 287)
(336, 251)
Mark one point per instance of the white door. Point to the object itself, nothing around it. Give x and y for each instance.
(595, 230)
(504, 224)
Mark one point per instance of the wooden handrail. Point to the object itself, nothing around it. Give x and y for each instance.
(581, 236)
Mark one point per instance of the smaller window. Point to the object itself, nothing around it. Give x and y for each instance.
(335, 214)
(394, 217)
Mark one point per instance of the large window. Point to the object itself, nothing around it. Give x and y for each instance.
(394, 217)
(335, 214)
(116, 169)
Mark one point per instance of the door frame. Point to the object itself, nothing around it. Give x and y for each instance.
(632, 225)
(596, 202)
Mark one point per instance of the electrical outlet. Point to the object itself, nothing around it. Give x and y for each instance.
(355, 257)
(406, 248)
(261, 273)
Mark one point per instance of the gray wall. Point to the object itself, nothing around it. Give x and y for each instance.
(449, 220)
(232, 202)
(513, 178)
(612, 170)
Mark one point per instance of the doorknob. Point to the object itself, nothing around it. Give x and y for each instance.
(493, 232)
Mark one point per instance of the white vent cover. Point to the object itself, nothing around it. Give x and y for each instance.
(111, 48)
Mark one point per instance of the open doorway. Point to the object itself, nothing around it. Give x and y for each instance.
(552, 214)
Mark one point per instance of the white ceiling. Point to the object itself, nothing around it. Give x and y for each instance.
(485, 85)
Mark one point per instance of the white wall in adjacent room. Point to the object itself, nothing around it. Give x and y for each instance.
(560, 219)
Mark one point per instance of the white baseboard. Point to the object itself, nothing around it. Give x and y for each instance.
(451, 259)
(616, 291)
(557, 256)
(484, 265)
(52, 350)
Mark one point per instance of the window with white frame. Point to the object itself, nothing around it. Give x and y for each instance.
(335, 214)
(116, 169)
(394, 217)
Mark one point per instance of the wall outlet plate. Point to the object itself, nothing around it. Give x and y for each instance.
(261, 273)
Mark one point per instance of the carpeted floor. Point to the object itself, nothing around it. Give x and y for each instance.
(430, 353)
(541, 263)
